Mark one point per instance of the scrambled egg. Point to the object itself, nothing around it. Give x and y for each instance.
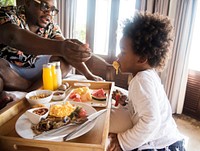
(116, 66)
(61, 110)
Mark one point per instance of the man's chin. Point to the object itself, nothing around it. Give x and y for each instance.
(43, 24)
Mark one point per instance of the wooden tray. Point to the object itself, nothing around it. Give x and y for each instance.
(94, 140)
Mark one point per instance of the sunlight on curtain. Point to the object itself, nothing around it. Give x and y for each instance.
(194, 61)
(178, 66)
(80, 21)
(66, 17)
(102, 24)
(126, 10)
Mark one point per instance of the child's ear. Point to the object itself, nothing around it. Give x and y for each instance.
(142, 60)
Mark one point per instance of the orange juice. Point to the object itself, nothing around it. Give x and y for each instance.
(47, 77)
(54, 74)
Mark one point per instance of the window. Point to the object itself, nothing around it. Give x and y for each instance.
(194, 61)
(99, 23)
(80, 20)
(126, 10)
(7, 2)
(101, 29)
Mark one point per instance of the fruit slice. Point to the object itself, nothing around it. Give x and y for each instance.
(99, 94)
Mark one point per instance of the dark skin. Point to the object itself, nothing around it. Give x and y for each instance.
(135, 64)
(68, 52)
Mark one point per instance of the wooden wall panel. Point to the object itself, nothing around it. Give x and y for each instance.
(192, 97)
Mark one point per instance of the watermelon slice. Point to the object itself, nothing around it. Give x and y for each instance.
(99, 94)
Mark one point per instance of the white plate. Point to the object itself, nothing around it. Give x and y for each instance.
(23, 126)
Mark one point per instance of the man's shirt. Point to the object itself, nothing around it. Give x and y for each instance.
(16, 15)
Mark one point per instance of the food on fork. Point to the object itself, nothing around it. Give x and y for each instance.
(116, 66)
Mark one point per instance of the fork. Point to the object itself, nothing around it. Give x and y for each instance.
(100, 58)
(60, 129)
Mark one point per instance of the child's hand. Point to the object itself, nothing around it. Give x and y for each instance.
(114, 143)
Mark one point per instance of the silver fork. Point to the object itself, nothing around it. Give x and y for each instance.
(100, 58)
(60, 129)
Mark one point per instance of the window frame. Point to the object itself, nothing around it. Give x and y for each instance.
(90, 27)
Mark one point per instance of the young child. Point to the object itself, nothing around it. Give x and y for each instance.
(146, 122)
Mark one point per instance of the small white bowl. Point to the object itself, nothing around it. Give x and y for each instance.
(58, 95)
(36, 114)
(39, 96)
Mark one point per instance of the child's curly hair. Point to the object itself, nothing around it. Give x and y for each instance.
(151, 36)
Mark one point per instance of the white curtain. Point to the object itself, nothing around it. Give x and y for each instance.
(177, 70)
(175, 75)
(66, 17)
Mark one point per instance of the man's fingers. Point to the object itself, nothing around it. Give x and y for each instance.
(78, 56)
(78, 47)
(80, 43)
(72, 45)
(76, 51)
(76, 41)
(84, 47)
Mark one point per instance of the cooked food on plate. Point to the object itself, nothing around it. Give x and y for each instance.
(40, 111)
(39, 96)
(61, 110)
(36, 114)
(60, 115)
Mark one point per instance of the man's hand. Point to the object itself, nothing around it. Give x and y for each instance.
(74, 51)
(114, 143)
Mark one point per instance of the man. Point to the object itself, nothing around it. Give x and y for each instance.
(28, 40)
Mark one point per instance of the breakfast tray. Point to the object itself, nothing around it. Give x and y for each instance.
(94, 140)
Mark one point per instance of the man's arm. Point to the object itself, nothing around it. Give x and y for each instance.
(30, 43)
(82, 67)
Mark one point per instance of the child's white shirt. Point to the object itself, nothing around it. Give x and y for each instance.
(151, 115)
